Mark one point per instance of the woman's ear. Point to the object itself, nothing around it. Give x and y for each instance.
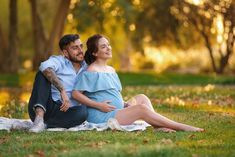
(94, 54)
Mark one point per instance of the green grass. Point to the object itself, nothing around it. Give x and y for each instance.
(218, 140)
(17, 80)
(9, 80)
(209, 106)
(151, 78)
(131, 78)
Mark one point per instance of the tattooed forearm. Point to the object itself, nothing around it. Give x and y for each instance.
(51, 76)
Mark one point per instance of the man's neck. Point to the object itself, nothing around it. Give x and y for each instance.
(76, 66)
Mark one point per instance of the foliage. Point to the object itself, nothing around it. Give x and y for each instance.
(214, 21)
(160, 23)
(131, 25)
(154, 28)
(14, 109)
(111, 18)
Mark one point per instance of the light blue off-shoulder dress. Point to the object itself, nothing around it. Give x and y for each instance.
(100, 86)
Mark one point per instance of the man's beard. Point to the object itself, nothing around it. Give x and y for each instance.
(74, 59)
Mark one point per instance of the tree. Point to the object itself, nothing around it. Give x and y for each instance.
(3, 50)
(9, 50)
(39, 38)
(111, 18)
(155, 24)
(43, 46)
(214, 21)
(12, 59)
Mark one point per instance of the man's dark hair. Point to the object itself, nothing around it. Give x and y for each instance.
(67, 39)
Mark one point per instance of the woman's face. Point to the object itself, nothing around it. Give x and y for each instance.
(104, 49)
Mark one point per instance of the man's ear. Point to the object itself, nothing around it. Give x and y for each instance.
(65, 52)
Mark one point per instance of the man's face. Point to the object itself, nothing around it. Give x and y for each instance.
(74, 51)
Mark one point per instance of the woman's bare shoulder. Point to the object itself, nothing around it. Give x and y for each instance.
(92, 68)
(111, 69)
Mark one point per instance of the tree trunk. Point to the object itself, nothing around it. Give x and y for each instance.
(223, 63)
(3, 49)
(208, 45)
(43, 47)
(58, 25)
(39, 38)
(12, 59)
(3, 41)
(229, 41)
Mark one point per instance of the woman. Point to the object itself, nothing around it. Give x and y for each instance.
(99, 88)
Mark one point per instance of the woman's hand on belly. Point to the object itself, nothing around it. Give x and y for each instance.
(105, 106)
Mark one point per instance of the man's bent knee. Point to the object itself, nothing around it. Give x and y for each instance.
(81, 115)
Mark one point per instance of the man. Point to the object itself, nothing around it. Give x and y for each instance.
(51, 102)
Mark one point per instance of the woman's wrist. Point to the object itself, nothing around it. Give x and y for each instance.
(98, 105)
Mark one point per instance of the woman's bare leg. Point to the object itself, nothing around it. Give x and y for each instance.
(143, 99)
(130, 114)
(140, 99)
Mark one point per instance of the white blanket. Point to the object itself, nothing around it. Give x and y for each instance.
(24, 124)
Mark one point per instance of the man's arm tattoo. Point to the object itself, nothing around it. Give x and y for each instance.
(51, 76)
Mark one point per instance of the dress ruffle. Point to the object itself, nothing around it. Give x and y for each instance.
(97, 81)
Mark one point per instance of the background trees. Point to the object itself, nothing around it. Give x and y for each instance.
(29, 32)
(214, 21)
(43, 46)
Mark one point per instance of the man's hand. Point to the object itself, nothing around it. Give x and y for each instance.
(51, 76)
(105, 107)
(65, 101)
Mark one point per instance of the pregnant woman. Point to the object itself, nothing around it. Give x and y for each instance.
(99, 88)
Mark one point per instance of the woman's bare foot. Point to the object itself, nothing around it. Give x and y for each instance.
(166, 130)
(194, 129)
(199, 130)
(185, 127)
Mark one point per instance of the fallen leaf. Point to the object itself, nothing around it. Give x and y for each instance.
(166, 141)
(201, 141)
(40, 153)
(145, 141)
(191, 136)
(3, 140)
(97, 144)
(195, 155)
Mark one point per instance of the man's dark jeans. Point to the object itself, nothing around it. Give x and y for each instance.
(41, 96)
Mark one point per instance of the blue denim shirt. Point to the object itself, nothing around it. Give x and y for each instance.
(65, 73)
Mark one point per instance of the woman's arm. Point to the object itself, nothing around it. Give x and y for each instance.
(102, 106)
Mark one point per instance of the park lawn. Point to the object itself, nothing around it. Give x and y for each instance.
(209, 106)
(132, 78)
(153, 78)
(218, 140)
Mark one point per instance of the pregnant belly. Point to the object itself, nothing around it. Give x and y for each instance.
(117, 102)
(115, 98)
